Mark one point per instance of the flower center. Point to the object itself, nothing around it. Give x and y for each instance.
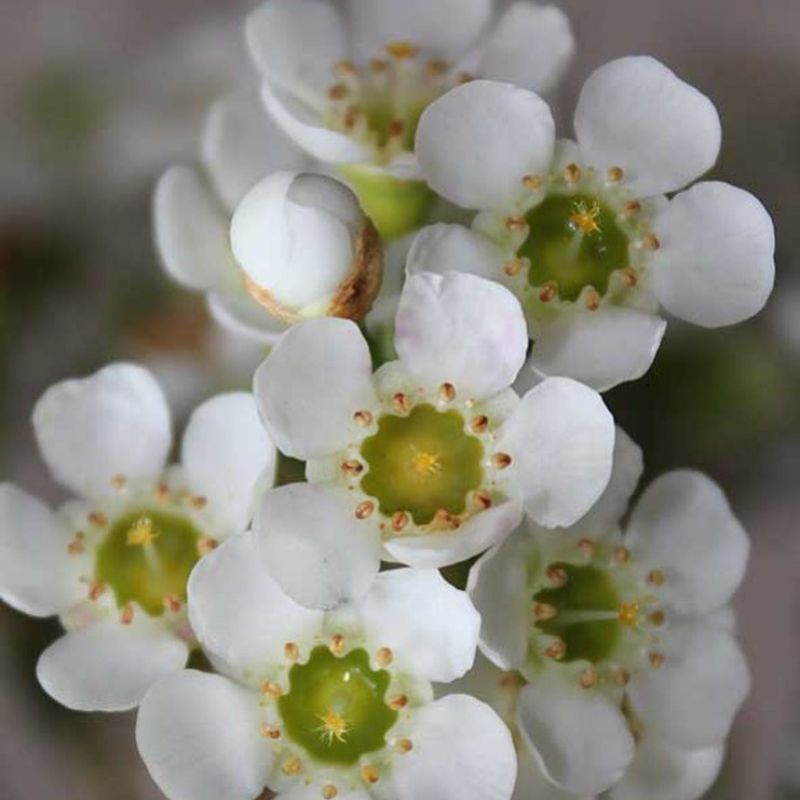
(574, 242)
(146, 558)
(422, 463)
(336, 706)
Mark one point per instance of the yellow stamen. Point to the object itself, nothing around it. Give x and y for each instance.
(628, 614)
(425, 463)
(142, 532)
(334, 726)
(402, 50)
(585, 218)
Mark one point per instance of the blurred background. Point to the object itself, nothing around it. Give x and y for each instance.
(97, 97)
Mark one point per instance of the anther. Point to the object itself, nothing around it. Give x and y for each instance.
(557, 650)
(329, 791)
(268, 732)
(378, 64)
(656, 577)
(480, 423)
(656, 618)
(544, 611)
(400, 403)
(483, 499)
(589, 678)
(337, 644)
(126, 614)
(396, 128)
(173, 603)
(76, 544)
(402, 51)
(352, 467)
(436, 68)
(384, 656)
(557, 575)
(628, 614)
(398, 702)
(364, 509)
(592, 299)
(621, 676)
(588, 548)
(399, 521)
(501, 460)
(651, 242)
(532, 182)
(363, 418)
(632, 207)
(615, 174)
(444, 520)
(292, 766)
(98, 519)
(96, 589)
(271, 689)
(516, 224)
(512, 267)
(198, 501)
(351, 116)
(162, 492)
(291, 651)
(345, 69)
(369, 774)
(656, 659)
(205, 544)
(464, 77)
(629, 275)
(338, 91)
(119, 481)
(447, 392)
(548, 291)
(404, 746)
(622, 555)
(572, 173)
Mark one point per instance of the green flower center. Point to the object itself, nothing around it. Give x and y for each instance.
(336, 706)
(422, 463)
(573, 242)
(585, 613)
(146, 558)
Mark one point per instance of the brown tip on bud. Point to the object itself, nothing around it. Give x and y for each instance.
(572, 173)
(501, 460)
(357, 293)
(615, 174)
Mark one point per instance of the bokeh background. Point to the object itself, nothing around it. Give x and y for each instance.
(97, 96)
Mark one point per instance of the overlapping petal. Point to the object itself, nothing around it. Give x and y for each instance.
(445, 248)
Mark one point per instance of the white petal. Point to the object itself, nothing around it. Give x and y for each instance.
(444, 28)
(476, 143)
(237, 313)
(498, 586)
(716, 263)
(317, 376)
(663, 772)
(600, 348)
(114, 422)
(445, 248)
(37, 574)
(530, 46)
(296, 44)
(107, 666)
(635, 113)
(238, 612)
(462, 751)
(313, 545)
(692, 698)
(561, 440)
(579, 737)
(684, 526)
(225, 452)
(191, 230)
(304, 127)
(462, 329)
(532, 783)
(626, 472)
(478, 533)
(398, 613)
(313, 790)
(199, 737)
(241, 145)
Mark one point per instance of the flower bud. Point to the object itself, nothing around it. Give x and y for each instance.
(306, 248)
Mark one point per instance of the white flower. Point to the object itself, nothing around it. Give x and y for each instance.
(582, 233)
(626, 639)
(324, 705)
(306, 248)
(434, 455)
(349, 84)
(192, 210)
(113, 563)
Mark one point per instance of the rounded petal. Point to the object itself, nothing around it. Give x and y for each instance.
(191, 230)
(107, 666)
(296, 44)
(304, 127)
(241, 144)
(226, 452)
(579, 737)
(313, 545)
(445, 28)
(397, 613)
(635, 113)
(663, 772)
(446, 248)
(476, 143)
(716, 264)
(238, 613)
(317, 376)
(462, 329)
(600, 348)
(115, 422)
(531, 46)
(561, 440)
(310, 789)
(462, 751)
(692, 698)
(235, 311)
(684, 526)
(199, 737)
(37, 574)
(498, 586)
(477, 534)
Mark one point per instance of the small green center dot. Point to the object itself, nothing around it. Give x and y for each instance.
(586, 613)
(146, 558)
(422, 463)
(574, 241)
(336, 706)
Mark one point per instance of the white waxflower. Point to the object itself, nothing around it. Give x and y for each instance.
(582, 232)
(626, 638)
(113, 562)
(321, 705)
(306, 248)
(433, 455)
(349, 83)
(193, 206)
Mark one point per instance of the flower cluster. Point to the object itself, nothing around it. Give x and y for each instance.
(333, 657)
